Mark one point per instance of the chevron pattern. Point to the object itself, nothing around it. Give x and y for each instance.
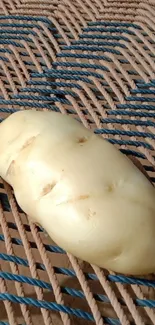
(94, 60)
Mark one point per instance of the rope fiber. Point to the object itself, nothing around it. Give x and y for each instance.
(94, 60)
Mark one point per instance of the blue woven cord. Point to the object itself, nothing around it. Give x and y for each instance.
(27, 18)
(111, 23)
(55, 307)
(90, 41)
(73, 292)
(49, 248)
(6, 323)
(113, 278)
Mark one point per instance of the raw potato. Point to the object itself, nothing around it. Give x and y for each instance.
(89, 197)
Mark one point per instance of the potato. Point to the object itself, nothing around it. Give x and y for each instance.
(90, 198)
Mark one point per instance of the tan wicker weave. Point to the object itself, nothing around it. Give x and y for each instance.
(94, 59)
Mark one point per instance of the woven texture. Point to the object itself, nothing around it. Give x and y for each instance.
(95, 60)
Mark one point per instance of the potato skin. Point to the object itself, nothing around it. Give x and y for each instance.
(90, 198)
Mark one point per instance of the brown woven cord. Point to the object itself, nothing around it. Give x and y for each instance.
(95, 60)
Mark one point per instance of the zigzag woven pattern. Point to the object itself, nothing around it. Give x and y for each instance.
(95, 60)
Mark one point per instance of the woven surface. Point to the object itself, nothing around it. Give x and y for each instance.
(94, 59)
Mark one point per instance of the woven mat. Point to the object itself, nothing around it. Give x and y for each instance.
(93, 59)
